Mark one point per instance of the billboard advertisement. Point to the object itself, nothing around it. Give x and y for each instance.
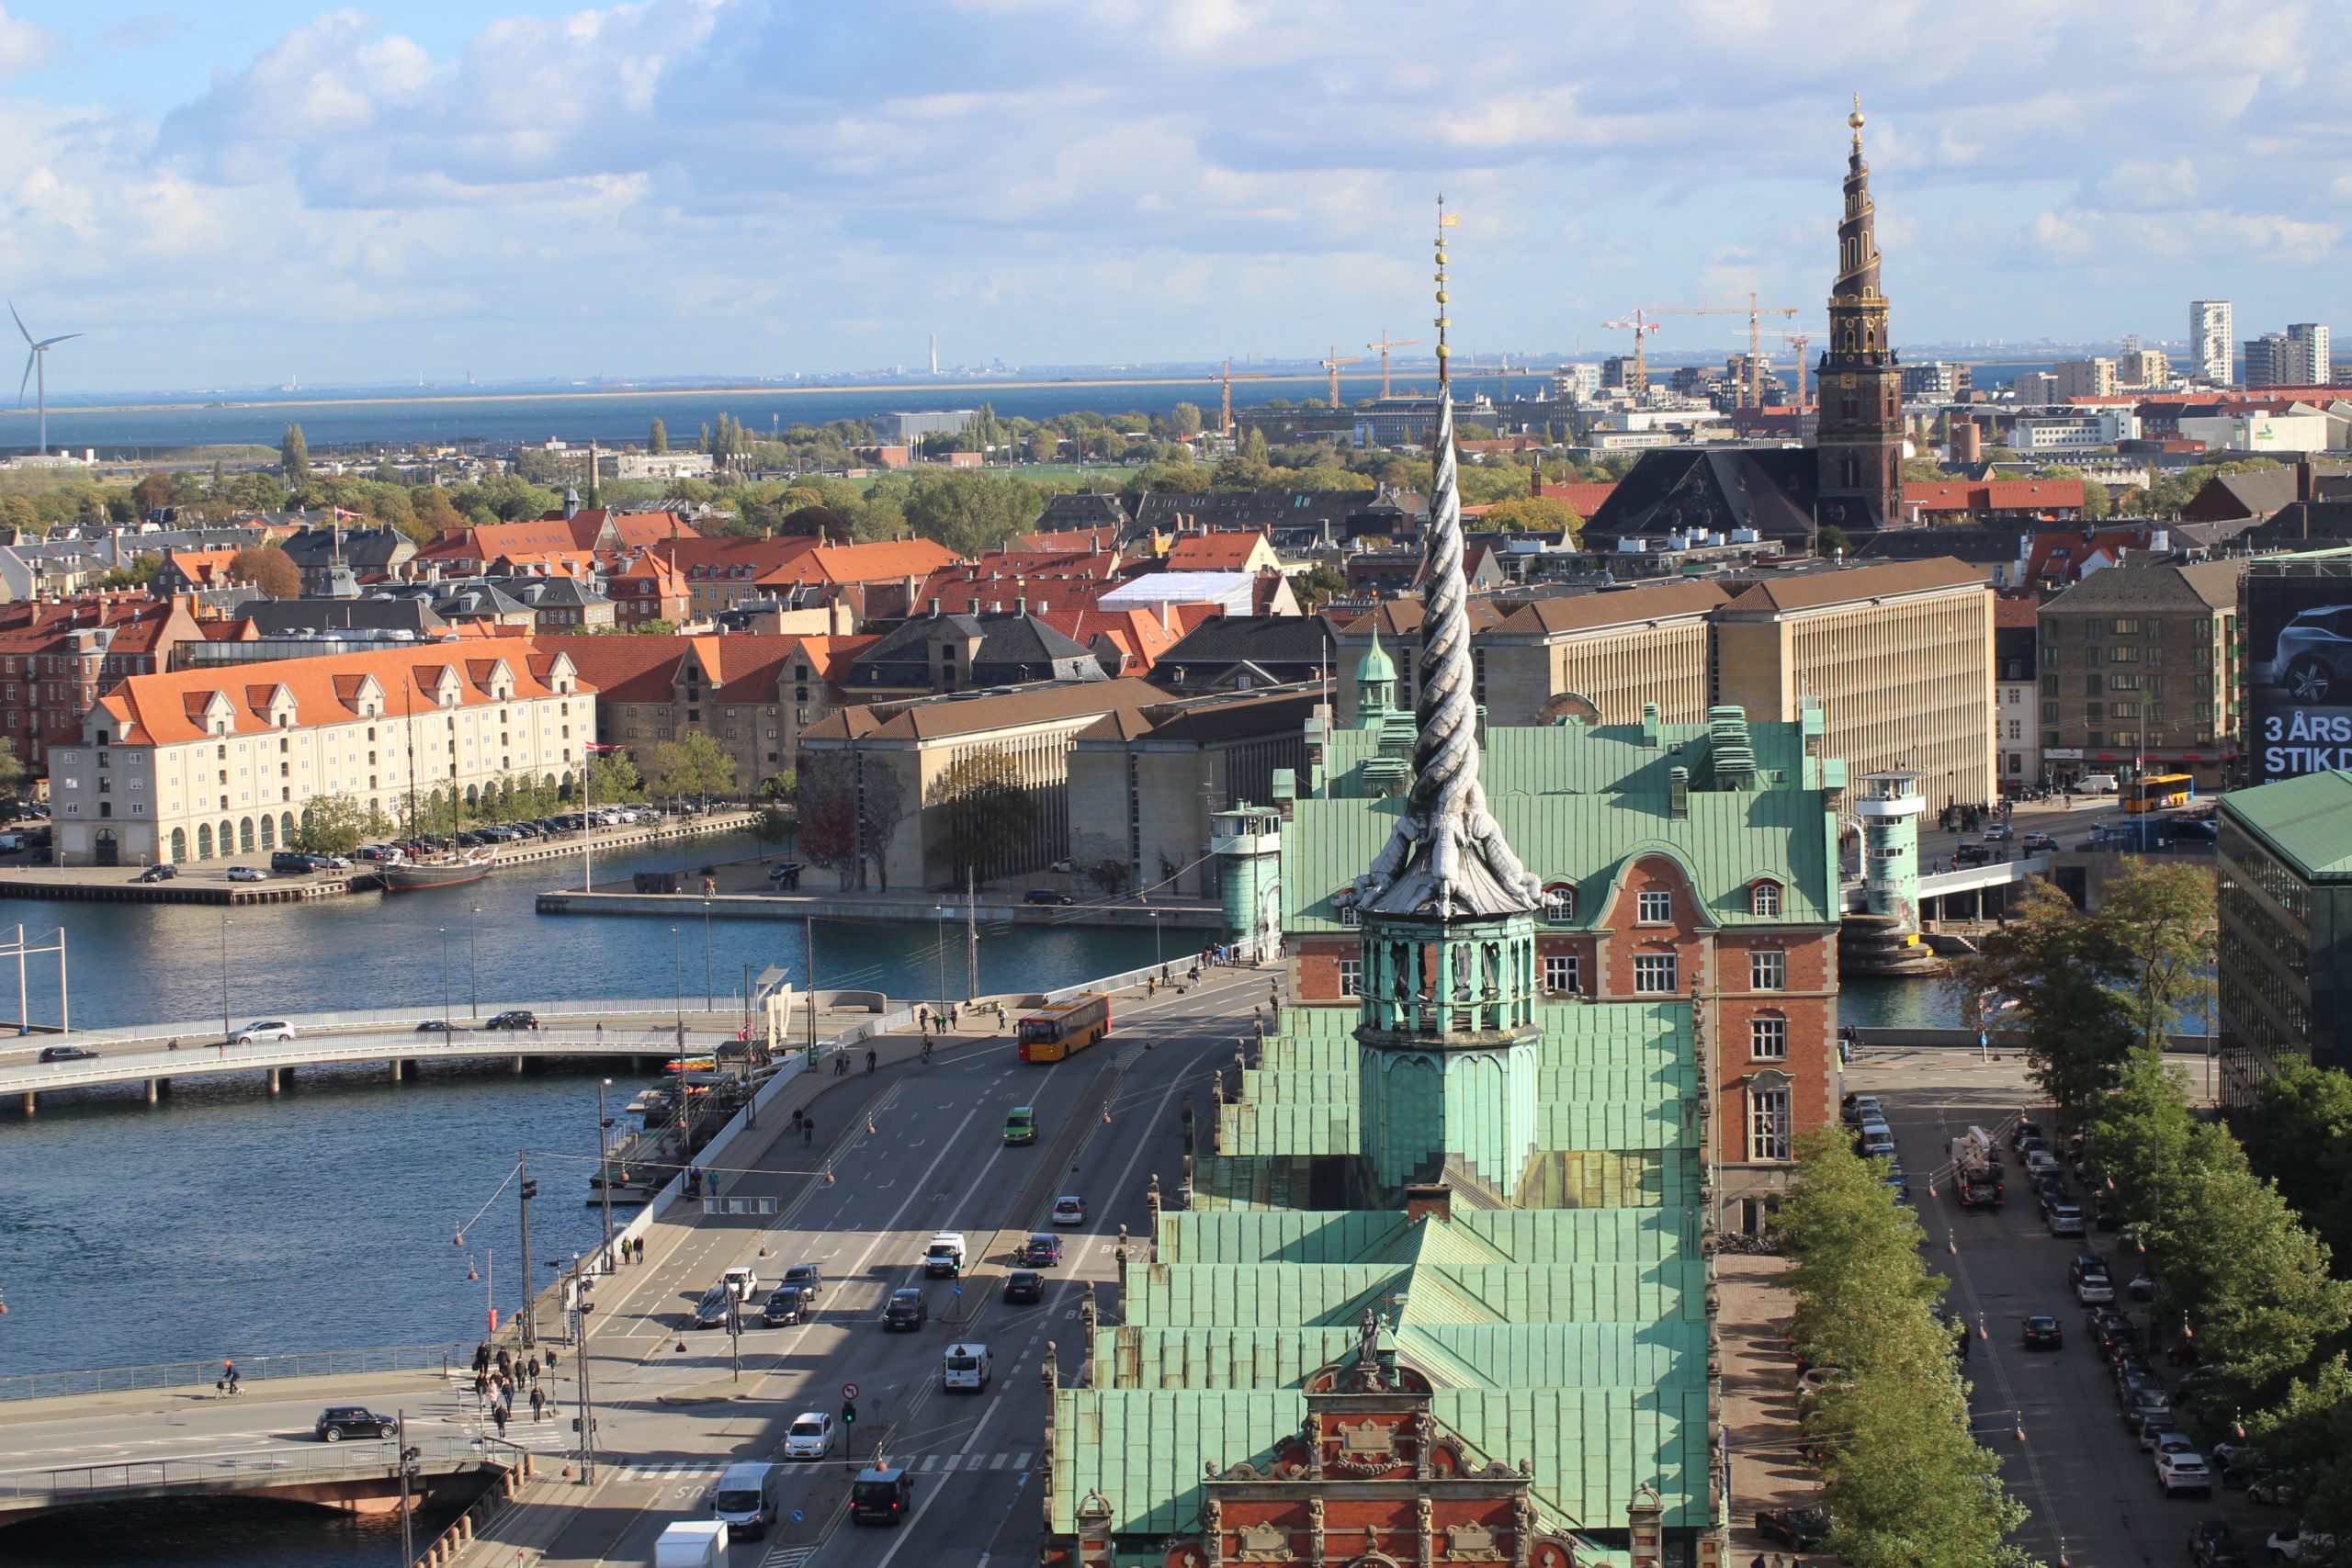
(2298, 635)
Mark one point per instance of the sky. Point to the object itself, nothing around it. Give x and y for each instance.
(232, 196)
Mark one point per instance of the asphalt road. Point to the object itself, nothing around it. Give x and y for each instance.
(926, 1155)
(2093, 1494)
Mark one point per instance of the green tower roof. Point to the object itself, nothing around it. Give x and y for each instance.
(1376, 665)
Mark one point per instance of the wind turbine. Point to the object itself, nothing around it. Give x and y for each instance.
(37, 370)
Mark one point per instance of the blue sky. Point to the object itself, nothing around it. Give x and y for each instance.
(221, 196)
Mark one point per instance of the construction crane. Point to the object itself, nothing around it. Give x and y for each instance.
(1331, 366)
(1383, 345)
(1756, 311)
(1227, 376)
(1639, 323)
(1797, 342)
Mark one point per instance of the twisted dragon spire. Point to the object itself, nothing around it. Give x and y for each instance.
(1447, 856)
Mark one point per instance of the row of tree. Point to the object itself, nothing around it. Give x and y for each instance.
(1906, 1483)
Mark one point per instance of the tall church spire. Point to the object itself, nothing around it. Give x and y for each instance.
(1447, 856)
(1859, 437)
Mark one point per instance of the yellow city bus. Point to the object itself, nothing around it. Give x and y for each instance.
(2158, 792)
(1057, 1028)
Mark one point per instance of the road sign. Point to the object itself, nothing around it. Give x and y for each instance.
(848, 1391)
(958, 1290)
(797, 1516)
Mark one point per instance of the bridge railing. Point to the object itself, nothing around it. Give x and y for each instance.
(376, 1457)
(364, 1017)
(249, 1368)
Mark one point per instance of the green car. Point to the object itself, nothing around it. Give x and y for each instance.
(1021, 1126)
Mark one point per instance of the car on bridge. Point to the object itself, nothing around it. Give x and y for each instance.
(436, 1026)
(261, 1030)
(67, 1054)
(337, 1422)
(517, 1018)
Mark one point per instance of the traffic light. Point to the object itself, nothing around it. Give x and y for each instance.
(849, 1412)
(530, 1190)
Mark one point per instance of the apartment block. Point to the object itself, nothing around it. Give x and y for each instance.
(2212, 334)
(2084, 377)
(206, 764)
(2137, 667)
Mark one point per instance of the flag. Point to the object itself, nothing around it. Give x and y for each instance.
(600, 746)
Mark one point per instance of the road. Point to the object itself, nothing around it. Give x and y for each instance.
(922, 1152)
(2091, 1492)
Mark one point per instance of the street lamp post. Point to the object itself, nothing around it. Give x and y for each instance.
(605, 1165)
(678, 986)
(445, 972)
(225, 1030)
(473, 966)
(710, 993)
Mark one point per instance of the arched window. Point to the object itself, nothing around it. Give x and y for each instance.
(228, 836)
(268, 832)
(179, 844)
(245, 837)
(286, 825)
(1764, 898)
(1559, 902)
(203, 839)
(1343, 907)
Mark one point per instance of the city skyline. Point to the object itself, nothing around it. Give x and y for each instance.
(235, 199)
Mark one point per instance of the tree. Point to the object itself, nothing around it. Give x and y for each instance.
(658, 438)
(990, 814)
(12, 767)
(2050, 960)
(2299, 1135)
(611, 778)
(1185, 420)
(773, 824)
(269, 568)
(294, 455)
(1318, 584)
(331, 825)
(695, 765)
(137, 572)
(1534, 515)
(1831, 540)
(152, 493)
(971, 513)
(850, 807)
(2158, 923)
(1110, 875)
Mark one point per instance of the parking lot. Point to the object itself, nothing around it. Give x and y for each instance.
(2094, 1496)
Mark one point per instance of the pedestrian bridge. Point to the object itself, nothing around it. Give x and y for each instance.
(363, 1477)
(1968, 879)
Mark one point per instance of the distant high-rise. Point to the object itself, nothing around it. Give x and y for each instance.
(2211, 330)
(2271, 361)
(1860, 433)
(2084, 377)
(2312, 356)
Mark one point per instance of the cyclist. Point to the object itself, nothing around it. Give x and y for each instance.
(869, 1061)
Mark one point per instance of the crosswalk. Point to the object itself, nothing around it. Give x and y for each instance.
(682, 1471)
(787, 1556)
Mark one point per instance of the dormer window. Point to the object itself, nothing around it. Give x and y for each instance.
(1764, 898)
(1559, 902)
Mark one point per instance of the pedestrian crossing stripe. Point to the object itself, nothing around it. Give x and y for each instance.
(942, 1464)
(678, 1471)
(788, 1557)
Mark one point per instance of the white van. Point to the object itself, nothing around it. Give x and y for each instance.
(2096, 783)
(745, 1500)
(966, 1369)
(944, 1258)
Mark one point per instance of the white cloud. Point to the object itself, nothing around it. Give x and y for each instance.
(1105, 179)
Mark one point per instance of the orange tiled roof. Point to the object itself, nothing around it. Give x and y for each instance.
(1214, 552)
(158, 710)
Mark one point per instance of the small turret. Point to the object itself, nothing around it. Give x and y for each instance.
(1375, 682)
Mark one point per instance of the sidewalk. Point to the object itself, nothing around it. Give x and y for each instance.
(1759, 1402)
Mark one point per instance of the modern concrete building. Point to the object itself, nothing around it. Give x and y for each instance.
(2284, 869)
(2085, 377)
(2139, 666)
(2016, 688)
(206, 764)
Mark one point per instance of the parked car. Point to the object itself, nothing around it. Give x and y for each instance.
(292, 862)
(2213, 1544)
(1039, 1252)
(1803, 1529)
(162, 871)
(811, 1435)
(2178, 1472)
(518, 1018)
(2288, 1545)
(1069, 1211)
(2043, 1332)
(67, 1054)
(1023, 1285)
(337, 1422)
(245, 874)
(905, 1310)
(1046, 895)
(262, 1030)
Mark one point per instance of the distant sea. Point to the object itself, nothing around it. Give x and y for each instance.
(117, 427)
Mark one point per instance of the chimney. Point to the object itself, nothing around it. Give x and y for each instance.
(1421, 1203)
(1167, 617)
(1020, 605)
(996, 606)
(934, 606)
(971, 606)
(2304, 485)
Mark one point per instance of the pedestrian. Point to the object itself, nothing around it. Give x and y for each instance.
(505, 1361)
(173, 1046)
(481, 1385)
(1000, 1018)
(538, 1404)
(498, 1414)
(922, 1015)
(1759, 1563)
(481, 1355)
(808, 1132)
(869, 1059)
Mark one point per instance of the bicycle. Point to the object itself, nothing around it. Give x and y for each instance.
(926, 1052)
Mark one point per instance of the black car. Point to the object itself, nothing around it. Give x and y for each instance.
(1046, 895)
(520, 1018)
(1803, 1528)
(1024, 1285)
(67, 1054)
(292, 861)
(162, 871)
(807, 1277)
(340, 1421)
(1040, 1252)
(436, 1026)
(2213, 1544)
(905, 1309)
(2043, 1334)
(786, 1305)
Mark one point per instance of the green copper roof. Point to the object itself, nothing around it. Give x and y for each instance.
(2306, 821)
(1376, 665)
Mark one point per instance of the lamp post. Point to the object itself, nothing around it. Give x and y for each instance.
(224, 979)
(445, 972)
(678, 984)
(605, 1167)
(473, 966)
(710, 993)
